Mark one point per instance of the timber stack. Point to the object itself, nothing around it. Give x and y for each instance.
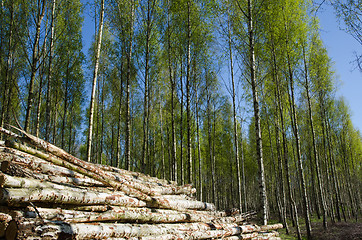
(46, 193)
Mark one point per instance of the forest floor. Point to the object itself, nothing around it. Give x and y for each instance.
(336, 231)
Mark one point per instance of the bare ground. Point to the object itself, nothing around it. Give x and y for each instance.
(338, 231)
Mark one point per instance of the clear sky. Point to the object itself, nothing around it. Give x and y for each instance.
(341, 47)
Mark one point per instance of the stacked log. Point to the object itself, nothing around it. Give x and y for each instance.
(46, 193)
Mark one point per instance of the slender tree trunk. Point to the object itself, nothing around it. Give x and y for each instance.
(101, 135)
(70, 125)
(213, 163)
(38, 109)
(40, 91)
(7, 91)
(55, 118)
(162, 145)
(236, 148)
(243, 167)
(118, 152)
(50, 73)
(95, 74)
(259, 144)
(281, 173)
(299, 158)
(173, 86)
(210, 139)
(329, 194)
(332, 167)
(353, 203)
(128, 82)
(277, 135)
(182, 179)
(293, 208)
(199, 148)
(188, 93)
(173, 128)
(65, 106)
(146, 106)
(34, 63)
(315, 151)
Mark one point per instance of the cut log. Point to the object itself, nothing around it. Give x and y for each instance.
(36, 164)
(44, 170)
(154, 187)
(53, 195)
(87, 169)
(91, 170)
(127, 214)
(267, 236)
(56, 230)
(271, 227)
(123, 214)
(173, 202)
(48, 147)
(44, 181)
(137, 175)
(18, 196)
(235, 219)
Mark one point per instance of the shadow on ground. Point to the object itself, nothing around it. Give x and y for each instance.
(338, 231)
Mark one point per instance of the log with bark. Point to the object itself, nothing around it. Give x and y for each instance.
(46, 193)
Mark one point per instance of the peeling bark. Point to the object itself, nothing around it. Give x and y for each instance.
(50, 194)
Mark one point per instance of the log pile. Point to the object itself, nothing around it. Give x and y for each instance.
(46, 193)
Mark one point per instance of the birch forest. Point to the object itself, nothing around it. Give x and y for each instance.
(235, 97)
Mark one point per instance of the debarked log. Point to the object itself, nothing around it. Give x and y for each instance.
(18, 196)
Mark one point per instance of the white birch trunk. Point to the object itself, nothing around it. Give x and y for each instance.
(18, 196)
(95, 74)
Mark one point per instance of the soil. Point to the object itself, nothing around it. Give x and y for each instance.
(338, 231)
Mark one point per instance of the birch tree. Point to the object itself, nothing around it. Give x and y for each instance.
(40, 8)
(95, 74)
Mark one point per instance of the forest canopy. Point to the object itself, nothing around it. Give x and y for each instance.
(236, 97)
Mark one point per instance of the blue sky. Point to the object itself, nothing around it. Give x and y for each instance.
(341, 47)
